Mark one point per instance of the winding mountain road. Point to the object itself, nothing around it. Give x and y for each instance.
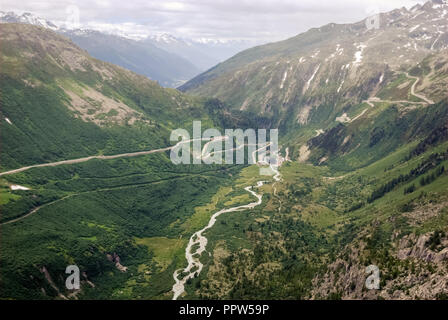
(36, 209)
(101, 157)
(194, 265)
(420, 96)
(427, 101)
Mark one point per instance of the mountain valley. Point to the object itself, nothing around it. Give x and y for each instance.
(86, 176)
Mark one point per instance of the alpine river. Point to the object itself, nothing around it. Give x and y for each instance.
(192, 256)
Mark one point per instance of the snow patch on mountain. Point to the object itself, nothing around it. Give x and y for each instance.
(344, 118)
(28, 18)
(284, 78)
(311, 79)
(358, 54)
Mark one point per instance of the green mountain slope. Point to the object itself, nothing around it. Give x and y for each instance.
(169, 69)
(58, 103)
(366, 183)
(314, 77)
(61, 103)
(145, 58)
(364, 116)
(339, 76)
(123, 221)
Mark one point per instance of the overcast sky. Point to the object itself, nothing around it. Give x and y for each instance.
(260, 20)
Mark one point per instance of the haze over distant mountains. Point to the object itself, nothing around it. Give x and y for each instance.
(203, 53)
(165, 58)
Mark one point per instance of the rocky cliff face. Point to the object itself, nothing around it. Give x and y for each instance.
(415, 267)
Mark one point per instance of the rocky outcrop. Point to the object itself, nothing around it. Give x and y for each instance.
(51, 282)
(417, 268)
(115, 258)
(417, 247)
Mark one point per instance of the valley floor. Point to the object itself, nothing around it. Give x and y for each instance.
(310, 235)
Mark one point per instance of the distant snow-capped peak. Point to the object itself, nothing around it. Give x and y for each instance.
(164, 38)
(27, 18)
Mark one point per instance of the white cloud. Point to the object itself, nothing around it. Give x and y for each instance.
(261, 20)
